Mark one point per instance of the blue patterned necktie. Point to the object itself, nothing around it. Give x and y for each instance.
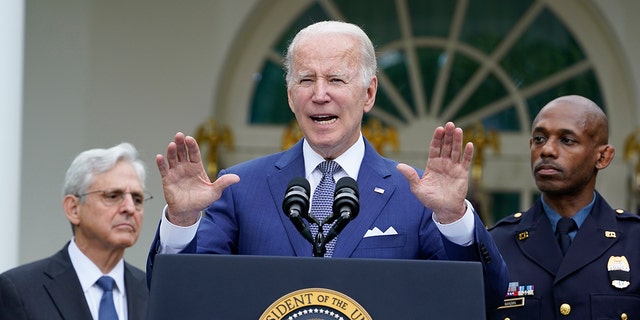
(322, 203)
(107, 310)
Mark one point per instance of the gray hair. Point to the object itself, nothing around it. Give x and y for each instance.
(92, 162)
(368, 63)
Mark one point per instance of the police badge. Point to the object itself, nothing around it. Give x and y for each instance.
(618, 268)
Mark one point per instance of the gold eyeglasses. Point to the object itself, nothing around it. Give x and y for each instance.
(114, 197)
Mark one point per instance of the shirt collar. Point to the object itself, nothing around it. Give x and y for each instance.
(87, 271)
(349, 161)
(579, 217)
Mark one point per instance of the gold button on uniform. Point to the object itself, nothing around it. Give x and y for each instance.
(565, 309)
(507, 318)
(623, 316)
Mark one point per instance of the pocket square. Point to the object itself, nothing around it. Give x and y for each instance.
(375, 232)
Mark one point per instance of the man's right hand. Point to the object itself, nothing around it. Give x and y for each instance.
(185, 183)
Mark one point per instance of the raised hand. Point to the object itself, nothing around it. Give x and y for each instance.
(444, 184)
(185, 183)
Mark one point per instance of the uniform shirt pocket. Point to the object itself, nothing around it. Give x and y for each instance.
(615, 306)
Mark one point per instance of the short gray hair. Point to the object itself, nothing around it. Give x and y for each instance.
(368, 63)
(92, 162)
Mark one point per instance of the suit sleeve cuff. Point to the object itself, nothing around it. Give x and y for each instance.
(174, 238)
(461, 231)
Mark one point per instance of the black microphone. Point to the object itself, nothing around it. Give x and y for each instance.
(346, 205)
(296, 205)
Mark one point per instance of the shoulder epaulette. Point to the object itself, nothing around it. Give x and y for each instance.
(623, 214)
(510, 219)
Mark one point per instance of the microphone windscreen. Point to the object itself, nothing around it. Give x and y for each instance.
(347, 182)
(301, 182)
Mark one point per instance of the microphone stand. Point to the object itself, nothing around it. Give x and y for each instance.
(319, 248)
(345, 208)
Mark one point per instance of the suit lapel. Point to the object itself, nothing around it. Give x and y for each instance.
(371, 176)
(137, 294)
(64, 287)
(375, 191)
(590, 241)
(536, 240)
(289, 166)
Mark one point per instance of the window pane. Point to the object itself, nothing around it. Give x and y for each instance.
(431, 61)
(489, 21)
(394, 65)
(490, 90)
(431, 18)
(506, 120)
(584, 85)
(463, 69)
(378, 19)
(544, 49)
(269, 105)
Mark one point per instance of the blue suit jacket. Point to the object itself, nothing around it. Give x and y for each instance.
(248, 219)
(50, 289)
(582, 279)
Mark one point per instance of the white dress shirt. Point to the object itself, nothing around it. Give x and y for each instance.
(88, 273)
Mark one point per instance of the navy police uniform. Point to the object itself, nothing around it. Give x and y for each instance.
(599, 277)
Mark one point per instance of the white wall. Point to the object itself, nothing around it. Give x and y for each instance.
(11, 63)
(55, 128)
(104, 71)
(622, 17)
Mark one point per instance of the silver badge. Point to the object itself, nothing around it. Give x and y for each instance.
(619, 274)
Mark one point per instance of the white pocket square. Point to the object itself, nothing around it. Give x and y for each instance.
(375, 232)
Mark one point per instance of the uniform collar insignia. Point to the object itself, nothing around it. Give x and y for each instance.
(523, 235)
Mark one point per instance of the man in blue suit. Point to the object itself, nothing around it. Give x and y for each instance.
(597, 277)
(404, 214)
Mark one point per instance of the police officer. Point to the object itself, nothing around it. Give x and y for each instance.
(570, 256)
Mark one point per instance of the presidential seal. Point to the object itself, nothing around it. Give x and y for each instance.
(315, 304)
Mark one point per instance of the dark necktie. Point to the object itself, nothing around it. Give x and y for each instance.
(107, 310)
(322, 203)
(565, 225)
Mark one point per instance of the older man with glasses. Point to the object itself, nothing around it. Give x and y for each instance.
(103, 200)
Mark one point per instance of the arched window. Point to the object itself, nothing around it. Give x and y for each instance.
(496, 62)
(450, 60)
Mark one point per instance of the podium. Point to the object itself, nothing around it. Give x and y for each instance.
(229, 287)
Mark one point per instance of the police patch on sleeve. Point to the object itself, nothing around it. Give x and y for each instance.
(619, 271)
(315, 303)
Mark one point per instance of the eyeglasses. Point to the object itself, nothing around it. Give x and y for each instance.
(115, 197)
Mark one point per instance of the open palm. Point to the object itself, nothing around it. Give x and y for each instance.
(443, 186)
(186, 185)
